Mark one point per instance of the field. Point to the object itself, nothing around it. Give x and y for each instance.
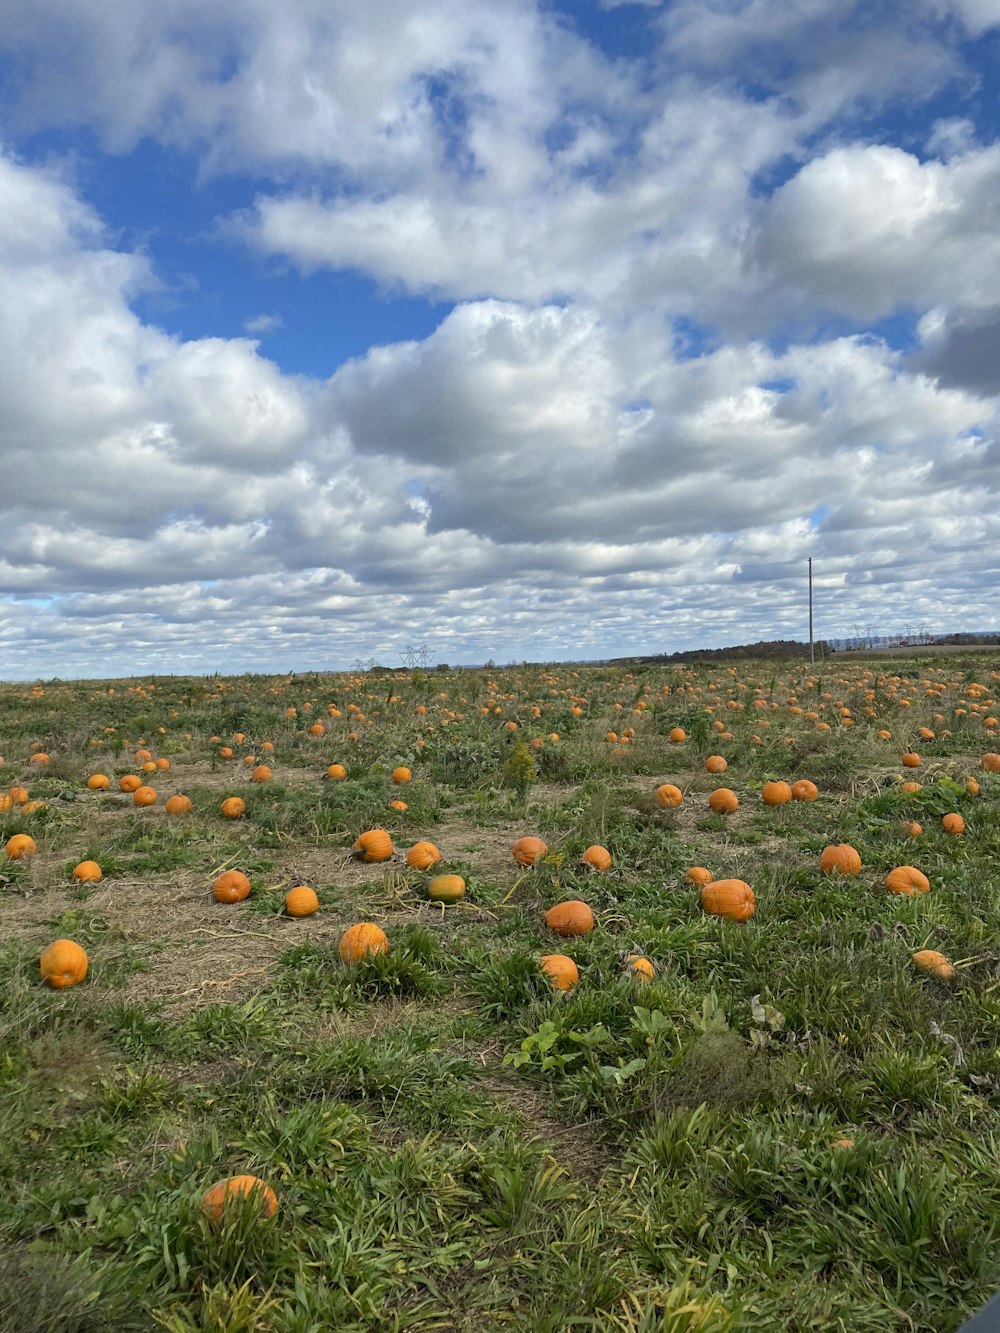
(792, 1126)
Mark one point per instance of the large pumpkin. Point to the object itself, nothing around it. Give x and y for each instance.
(20, 845)
(907, 880)
(373, 845)
(597, 858)
(570, 918)
(301, 901)
(232, 886)
(730, 898)
(529, 851)
(446, 889)
(64, 963)
(422, 855)
(723, 801)
(776, 793)
(224, 1195)
(560, 970)
(668, 795)
(360, 940)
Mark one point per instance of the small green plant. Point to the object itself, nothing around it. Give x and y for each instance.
(520, 769)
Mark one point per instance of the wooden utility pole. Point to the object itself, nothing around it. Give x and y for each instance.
(812, 646)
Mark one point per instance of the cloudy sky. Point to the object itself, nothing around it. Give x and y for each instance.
(522, 329)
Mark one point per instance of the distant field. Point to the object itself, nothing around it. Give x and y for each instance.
(791, 1126)
(921, 650)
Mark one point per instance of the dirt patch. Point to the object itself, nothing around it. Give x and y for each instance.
(579, 1149)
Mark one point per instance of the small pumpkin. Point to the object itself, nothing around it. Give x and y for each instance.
(143, 796)
(129, 782)
(678, 735)
(911, 828)
(723, 801)
(20, 845)
(840, 858)
(991, 762)
(179, 804)
(730, 898)
(373, 845)
(804, 790)
(907, 880)
(232, 886)
(222, 1197)
(422, 855)
(98, 782)
(668, 796)
(402, 775)
(560, 970)
(360, 940)
(233, 807)
(715, 763)
(570, 918)
(953, 824)
(597, 858)
(87, 872)
(776, 793)
(301, 901)
(698, 875)
(528, 851)
(64, 963)
(929, 960)
(641, 968)
(446, 889)
(336, 772)
(260, 773)
(910, 759)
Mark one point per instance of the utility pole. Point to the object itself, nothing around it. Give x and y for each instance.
(812, 646)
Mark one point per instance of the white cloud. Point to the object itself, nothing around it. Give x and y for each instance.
(263, 324)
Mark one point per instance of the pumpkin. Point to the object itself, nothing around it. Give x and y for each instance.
(233, 807)
(668, 795)
(18, 795)
(842, 1143)
(223, 1197)
(64, 963)
(87, 872)
(130, 782)
(260, 774)
(148, 768)
(232, 886)
(178, 804)
(929, 960)
(991, 762)
(776, 793)
(362, 939)
(698, 876)
(716, 764)
(907, 880)
(597, 858)
(678, 735)
(373, 845)
(528, 851)
(972, 786)
(401, 806)
(317, 729)
(911, 788)
(570, 918)
(336, 773)
(446, 889)
(19, 846)
(911, 828)
(910, 760)
(560, 970)
(953, 824)
(422, 855)
(840, 858)
(143, 796)
(402, 774)
(98, 782)
(226, 752)
(723, 801)
(143, 754)
(40, 759)
(641, 968)
(163, 765)
(804, 790)
(729, 898)
(301, 901)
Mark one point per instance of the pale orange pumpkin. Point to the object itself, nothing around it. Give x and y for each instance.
(929, 960)
(698, 875)
(953, 824)
(129, 782)
(804, 790)
(98, 782)
(143, 796)
(723, 801)
(715, 763)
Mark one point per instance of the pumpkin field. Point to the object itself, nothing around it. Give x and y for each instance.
(530, 998)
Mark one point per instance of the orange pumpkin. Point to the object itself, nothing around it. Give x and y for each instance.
(560, 970)
(336, 772)
(597, 858)
(373, 845)
(698, 876)
(402, 774)
(87, 872)
(422, 855)
(570, 918)
(804, 790)
(840, 858)
(729, 898)
(954, 824)
(98, 782)
(910, 760)
(233, 807)
(301, 901)
(143, 796)
(668, 795)
(715, 763)
(362, 939)
(911, 828)
(64, 963)
(130, 782)
(232, 886)
(641, 968)
(178, 804)
(678, 735)
(907, 880)
(223, 1196)
(528, 851)
(446, 889)
(929, 960)
(776, 793)
(723, 801)
(991, 762)
(260, 774)
(20, 845)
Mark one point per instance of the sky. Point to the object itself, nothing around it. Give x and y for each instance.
(519, 330)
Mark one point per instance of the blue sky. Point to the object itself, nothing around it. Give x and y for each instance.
(528, 330)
